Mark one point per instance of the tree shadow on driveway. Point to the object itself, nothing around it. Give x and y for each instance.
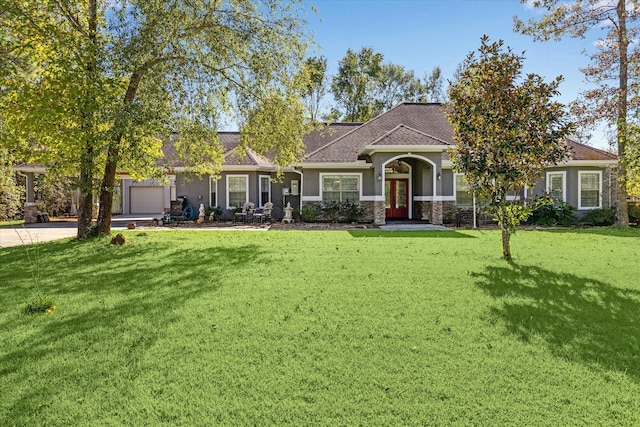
(580, 318)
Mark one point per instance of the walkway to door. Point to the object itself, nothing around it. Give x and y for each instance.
(412, 225)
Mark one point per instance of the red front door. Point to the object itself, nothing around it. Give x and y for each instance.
(396, 197)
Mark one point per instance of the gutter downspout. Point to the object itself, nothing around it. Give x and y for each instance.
(293, 168)
(475, 224)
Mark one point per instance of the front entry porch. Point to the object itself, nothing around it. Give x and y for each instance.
(410, 185)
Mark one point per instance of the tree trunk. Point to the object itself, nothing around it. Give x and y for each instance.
(506, 245)
(106, 190)
(111, 166)
(85, 202)
(622, 212)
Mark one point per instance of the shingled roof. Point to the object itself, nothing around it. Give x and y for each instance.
(407, 124)
(403, 135)
(427, 119)
(414, 124)
(584, 152)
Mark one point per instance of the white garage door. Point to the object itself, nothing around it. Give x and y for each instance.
(147, 200)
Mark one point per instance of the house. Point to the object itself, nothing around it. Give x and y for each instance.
(396, 166)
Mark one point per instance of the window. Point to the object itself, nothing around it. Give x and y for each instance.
(590, 190)
(556, 185)
(265, 190)
(213, 200)
(464, 197)
(340, 188)
(237, 190)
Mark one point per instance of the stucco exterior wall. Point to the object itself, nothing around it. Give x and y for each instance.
(572, 176)
(195, 188)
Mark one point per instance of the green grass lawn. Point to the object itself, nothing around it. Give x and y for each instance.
(11, 222)
(324, 328)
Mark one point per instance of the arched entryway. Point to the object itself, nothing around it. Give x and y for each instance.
(410, 187)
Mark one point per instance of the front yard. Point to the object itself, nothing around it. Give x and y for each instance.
(356, 327)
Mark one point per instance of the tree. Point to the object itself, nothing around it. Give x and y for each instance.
(613, 66)
(507, 130)
(314, 72)
(88, 87)
(354, 85)
(364, 87)
(434, 84)
(10, 193)
(397, 84)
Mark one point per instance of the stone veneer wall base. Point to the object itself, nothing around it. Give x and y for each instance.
(30, 213)
(436, 213)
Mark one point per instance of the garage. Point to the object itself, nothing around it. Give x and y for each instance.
(147, 200)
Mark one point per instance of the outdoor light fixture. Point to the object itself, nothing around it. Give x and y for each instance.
(439, 176)
(379, 177)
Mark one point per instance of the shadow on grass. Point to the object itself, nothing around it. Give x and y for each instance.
(429, 234)
(579, 318)
(113, 300)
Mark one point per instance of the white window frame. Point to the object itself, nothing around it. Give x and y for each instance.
(359, 175)
(213, 187)
(580, 173)
(564, 183)
(260, 178)
(455, 190)
(246, 183)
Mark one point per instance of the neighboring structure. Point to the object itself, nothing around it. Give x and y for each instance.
(396, 165)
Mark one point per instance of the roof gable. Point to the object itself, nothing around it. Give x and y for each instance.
(419, 117)
(234, 157)
(404, 135)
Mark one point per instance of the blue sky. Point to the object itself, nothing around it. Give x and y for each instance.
(423, 34)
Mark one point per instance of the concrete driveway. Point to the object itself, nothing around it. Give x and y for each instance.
(54, 230)
(36, 233)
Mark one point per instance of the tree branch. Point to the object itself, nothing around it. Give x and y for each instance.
(74, 21)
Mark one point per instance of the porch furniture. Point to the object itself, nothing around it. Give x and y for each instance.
(43, 217)
(246, 214)
(263, 214)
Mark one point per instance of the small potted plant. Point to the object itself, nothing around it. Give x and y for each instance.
(213, 213)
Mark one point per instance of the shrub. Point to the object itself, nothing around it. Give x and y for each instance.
(309, 213)
(634, 213)
(351, 211)
(330, 211)
(53, 194)
(10, 195)
(599, 217)
(215, 210)
(546, 212)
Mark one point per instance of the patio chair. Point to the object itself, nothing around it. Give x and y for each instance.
(264, 214)
(246, 214)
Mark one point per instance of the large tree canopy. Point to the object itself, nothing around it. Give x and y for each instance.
(507, 129)
(364, 86)
(89, 86)
(614, 68)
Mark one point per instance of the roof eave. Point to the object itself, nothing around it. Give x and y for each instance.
(588, 163)
(371, 149)
(360, 164)
(29, 168)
